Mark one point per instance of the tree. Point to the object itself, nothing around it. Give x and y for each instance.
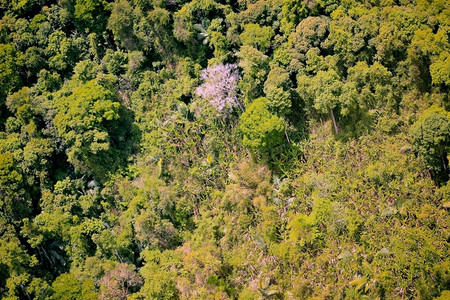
(14, 261)
(219, 87)
(262, 130)
(14, 204)
(347, 39)
(277, 89)
(90, 15)
(62, 51)
(431, 138)
(395, 34)
(39, 289)
(155, 31)
(119, 282)
(262, 12)
(37, 161)
(115, 62)
(322, 93)
(373, 85)
(86, 120)
(68, 287)
(84, 71)
(310, 33)
(257, 36)
(9, 75)
(425, 55)
(159, 274)
(219, 41)
(121, 24)
(440, 70)
(293, 11)
(255, 66)
(186, 21)
(33, 61)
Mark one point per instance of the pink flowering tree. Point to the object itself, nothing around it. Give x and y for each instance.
(219, 87)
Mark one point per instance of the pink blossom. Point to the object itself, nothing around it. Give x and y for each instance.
(219, 87)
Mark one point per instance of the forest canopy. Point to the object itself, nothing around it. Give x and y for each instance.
(218, 149)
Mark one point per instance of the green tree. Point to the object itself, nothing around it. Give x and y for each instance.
(257, 36)
(14, 261)
(263, 131)
(9, 71)
(159, 274)
(255, 67)
(347, 39)
(68, 287)
(155, 32)
(262, 12)
(322, 93)
(431, 138)
(186, 23)
(33, 62)
(395, 34)
(90, 15)
(219, 41)
(115, 62)
(373, 84)
(440, 70)
(427, 48)
(293, 11)
(277, 89)
(14, 203)
(121, 24)
(86, 120)
(62, 51)
(310, 33)
(36, 163)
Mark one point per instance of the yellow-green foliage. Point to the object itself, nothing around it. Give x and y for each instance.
(262, 130)
(117, 181)
(431, 137)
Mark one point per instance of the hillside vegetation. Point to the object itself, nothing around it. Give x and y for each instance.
(220, 149)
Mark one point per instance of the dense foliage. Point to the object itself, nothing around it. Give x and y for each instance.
(216, 149)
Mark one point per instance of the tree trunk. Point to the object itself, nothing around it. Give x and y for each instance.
(287, 137)
(240, 105)
(444, 159)
(334, 121)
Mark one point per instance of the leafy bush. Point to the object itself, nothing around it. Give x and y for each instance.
(263, 131)
(431, 138)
